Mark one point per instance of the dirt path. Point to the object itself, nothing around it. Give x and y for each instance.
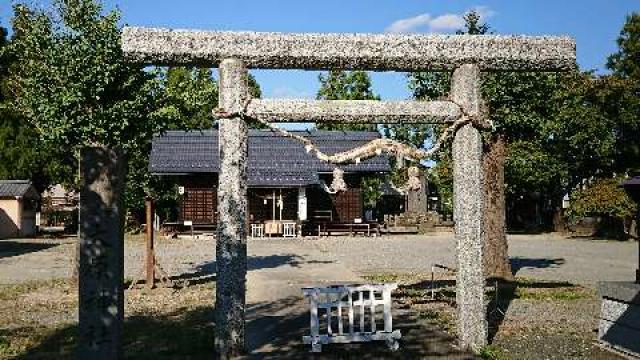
(546, 256)
(276, 309)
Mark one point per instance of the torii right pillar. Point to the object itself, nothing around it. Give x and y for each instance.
(468, 204)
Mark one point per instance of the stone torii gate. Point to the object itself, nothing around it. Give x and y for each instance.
(234, 52)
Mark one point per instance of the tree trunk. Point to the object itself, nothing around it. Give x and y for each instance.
(496, 249)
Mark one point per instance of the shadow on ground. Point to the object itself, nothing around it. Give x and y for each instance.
(508, 291)
(178, 335)
(264, 262)
(274, 331)
(15, 248)
(280, 336)
(518, 263)
(206, 272)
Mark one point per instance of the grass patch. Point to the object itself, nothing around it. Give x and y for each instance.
(492, 352)
(530, 289)
(13, 291)
(38, 321)
(440, 316)
(391, 277)
(182, 334)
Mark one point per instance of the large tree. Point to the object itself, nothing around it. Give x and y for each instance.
(622, 98)
(346, 85)
(436, 85)
(72, 81)
(74, 87)
(192, 96)
(22, 155)
(351, 85)
(551, 131)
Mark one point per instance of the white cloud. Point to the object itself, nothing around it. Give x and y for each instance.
(443, 23)
(409, 24)
(484, 11)
(446, 22)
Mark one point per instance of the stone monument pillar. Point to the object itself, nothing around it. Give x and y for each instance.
(620, 313)
(101, 272)
(417, 199)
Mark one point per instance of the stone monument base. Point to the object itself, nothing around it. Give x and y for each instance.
(619, 326)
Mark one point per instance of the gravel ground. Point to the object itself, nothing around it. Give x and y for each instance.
(548, 256)
(555, 329)
(532, 329)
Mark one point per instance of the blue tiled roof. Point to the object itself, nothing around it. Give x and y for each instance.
(274, 160)
(11, 188)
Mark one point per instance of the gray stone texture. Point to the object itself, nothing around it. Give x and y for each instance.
(619, 325)
(625, 291)
(101, 268)
(231, 246)
(347, 51)
(353, 111)
(468, 205)
(621, 312)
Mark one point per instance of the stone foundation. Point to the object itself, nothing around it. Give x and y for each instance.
(619, 326)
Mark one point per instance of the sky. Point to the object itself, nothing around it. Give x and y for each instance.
(595, 24)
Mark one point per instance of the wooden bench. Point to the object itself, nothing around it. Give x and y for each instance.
(351, 228)
(170, 228)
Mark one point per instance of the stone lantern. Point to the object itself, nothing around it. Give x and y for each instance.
(619, 327)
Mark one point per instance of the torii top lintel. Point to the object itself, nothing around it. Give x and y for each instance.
(314, 51)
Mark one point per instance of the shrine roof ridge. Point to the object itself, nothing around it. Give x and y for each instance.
(318, 51)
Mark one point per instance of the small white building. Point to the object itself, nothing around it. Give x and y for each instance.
(18, 206)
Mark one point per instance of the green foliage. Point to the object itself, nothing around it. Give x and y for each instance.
(603, 197)
(623, 95)
(441, 176)
(559, 128)
(531, 169)
(346, 85)
(22, 155)
(371, 188)
(73, 86)
(192, 95)
(625, 62)
(72, 81)
(492, 352)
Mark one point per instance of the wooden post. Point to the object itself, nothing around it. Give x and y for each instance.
(150, 253)
(101, 271)
(638, 240)
(468, 205)
(231, 245)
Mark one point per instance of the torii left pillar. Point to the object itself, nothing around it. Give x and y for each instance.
(231, 245)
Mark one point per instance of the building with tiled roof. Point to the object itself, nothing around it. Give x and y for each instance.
(285, 182)
(18, 203)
